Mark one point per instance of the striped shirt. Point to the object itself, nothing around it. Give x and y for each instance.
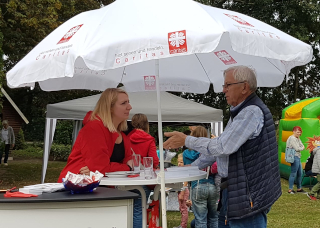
(246, 125)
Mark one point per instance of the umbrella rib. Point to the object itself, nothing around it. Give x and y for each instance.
(124, 71)
(276, 67)
(203, 67)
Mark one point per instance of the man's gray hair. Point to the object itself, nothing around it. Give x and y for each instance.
(5, 122)
(244, 73)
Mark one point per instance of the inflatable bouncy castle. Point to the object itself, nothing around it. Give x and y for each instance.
(306, 114)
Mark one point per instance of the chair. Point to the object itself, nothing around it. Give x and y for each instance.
(312, 178)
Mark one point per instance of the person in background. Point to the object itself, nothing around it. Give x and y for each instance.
(193, 222)
(7, 137)
(101, 144)
(245, 151)
(141, 141)
(308, 166)
(183, 196)
(144, 144)
(294, 142)
(204, 194)
(192, 128)
(314, 194)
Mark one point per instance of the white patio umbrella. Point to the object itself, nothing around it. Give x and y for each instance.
(167, 45)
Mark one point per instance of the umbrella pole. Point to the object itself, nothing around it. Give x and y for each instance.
(163, 193)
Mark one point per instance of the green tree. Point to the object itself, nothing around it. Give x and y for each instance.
(20, 141)
(25, 23)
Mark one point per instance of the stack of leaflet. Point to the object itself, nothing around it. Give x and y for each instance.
(38, 189)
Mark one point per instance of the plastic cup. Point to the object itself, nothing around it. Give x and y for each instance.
(148, 167)
(136, 162)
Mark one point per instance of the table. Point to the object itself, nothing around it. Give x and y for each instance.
(64, 210)
(177, 175)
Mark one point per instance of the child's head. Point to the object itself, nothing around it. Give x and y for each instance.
(199, 131)
(180, 159)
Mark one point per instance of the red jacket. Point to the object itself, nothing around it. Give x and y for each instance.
(93, 148)
(144, 144)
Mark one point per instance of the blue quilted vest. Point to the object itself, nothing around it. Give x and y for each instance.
(253, 174)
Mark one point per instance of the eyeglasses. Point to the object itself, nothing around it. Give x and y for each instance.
(226, 86)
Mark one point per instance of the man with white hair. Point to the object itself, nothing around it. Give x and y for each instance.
(246, 153)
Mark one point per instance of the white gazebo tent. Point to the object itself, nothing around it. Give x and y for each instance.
(174, 110)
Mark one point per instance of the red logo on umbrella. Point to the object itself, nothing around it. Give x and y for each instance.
(224, 56)
(177, 42)
(150, 82)
(239, 20)
(69, 34)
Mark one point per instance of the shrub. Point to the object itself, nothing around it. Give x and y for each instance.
(60, 152)
(29, 152)
(63, 133)
(20, 142)
(34, 130)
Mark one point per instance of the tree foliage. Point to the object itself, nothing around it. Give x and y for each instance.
(24, 23)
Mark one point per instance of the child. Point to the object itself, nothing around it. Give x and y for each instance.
(183, 196)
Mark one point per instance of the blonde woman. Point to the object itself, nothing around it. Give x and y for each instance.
(101, 144)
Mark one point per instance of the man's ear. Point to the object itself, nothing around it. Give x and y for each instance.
(246, 88)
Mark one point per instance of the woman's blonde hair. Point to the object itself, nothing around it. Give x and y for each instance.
(104, 107)
(180, 155)
(199, 132)
(140, 121)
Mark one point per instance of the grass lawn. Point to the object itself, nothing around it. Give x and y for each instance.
(290, 211)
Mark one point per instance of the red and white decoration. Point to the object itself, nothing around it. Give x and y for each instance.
(69, 34)
(177, 42)
(224, 56)
(150, 82)
(239, 20)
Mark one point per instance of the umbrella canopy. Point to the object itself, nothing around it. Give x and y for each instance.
(168, 45)
(101, 48)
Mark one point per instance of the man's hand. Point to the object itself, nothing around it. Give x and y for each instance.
(176, 140)
(85, 170)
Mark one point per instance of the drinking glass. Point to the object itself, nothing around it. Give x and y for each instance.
(136, 162)
(148, 167)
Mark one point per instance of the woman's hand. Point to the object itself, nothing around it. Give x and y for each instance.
(84, 170)
(189, 203)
